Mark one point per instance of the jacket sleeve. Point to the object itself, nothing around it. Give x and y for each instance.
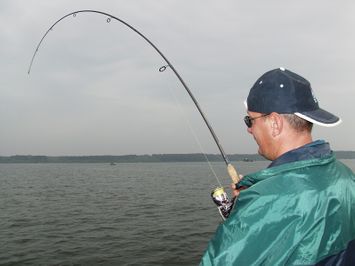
(256, 232)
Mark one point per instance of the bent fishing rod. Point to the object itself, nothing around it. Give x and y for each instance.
(230, 168)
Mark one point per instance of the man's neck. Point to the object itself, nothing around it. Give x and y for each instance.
(292, 142)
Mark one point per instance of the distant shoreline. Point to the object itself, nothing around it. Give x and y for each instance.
(154, 158)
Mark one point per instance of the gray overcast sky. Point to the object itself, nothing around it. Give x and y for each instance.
(95, 87)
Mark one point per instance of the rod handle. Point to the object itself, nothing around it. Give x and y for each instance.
(233, 173)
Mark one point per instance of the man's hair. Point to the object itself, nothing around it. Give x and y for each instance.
(298, 123)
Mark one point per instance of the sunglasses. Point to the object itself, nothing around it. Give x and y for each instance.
(249, 120)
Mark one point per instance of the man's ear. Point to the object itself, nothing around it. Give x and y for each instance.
(276, 124)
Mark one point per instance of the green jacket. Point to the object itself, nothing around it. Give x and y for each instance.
(293, 214)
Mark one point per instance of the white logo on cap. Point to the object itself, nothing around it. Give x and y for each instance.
(314, 97)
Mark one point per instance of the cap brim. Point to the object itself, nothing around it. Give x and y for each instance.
(320, 117)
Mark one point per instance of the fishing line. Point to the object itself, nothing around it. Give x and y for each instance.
(219, 196)
(193, 132)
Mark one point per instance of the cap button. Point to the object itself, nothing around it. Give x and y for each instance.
(282, 69)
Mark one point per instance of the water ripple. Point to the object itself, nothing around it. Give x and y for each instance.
(95, 214)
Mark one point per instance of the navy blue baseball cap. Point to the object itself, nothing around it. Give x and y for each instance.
(285, 92)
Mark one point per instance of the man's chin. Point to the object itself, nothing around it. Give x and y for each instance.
(260, 152)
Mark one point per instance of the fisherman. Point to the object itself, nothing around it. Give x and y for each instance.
(300, 210)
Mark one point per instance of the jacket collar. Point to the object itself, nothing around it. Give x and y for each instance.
(313, 150)
(253, 178)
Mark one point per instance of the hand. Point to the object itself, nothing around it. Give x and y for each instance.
(235, 191)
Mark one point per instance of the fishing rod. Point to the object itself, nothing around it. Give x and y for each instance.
(218, 194)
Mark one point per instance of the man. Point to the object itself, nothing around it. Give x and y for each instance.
(301, 209)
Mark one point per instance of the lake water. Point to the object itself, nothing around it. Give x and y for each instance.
(101, 214)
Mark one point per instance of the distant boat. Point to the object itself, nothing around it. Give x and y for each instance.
(247, 160)
(112, 163)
